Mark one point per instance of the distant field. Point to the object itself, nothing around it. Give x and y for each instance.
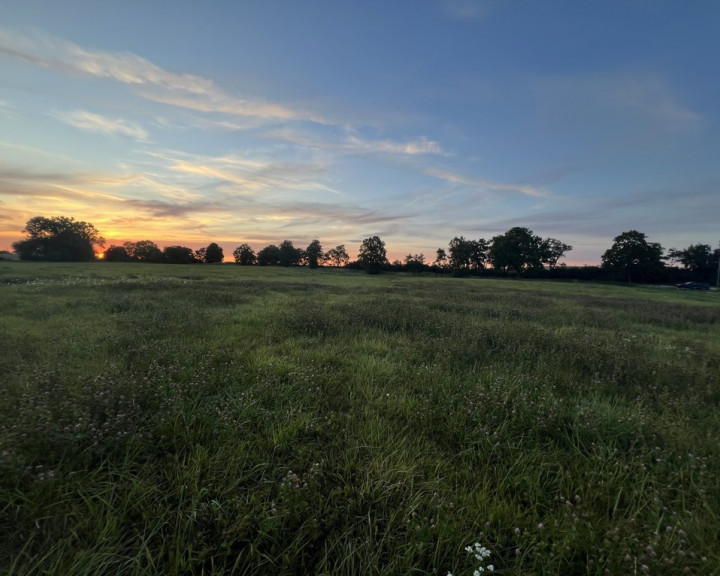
(159, 419)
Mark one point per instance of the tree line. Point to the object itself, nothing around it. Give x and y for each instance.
(517, 252)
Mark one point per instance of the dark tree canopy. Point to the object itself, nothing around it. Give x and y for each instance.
(633, 258)
(338, 256)
(440, 258)
(314, 254)
(244, 255)
(58, 238)
(269, 255)
(144, 251)
(467, 254)
(372, 256)
(479, 253)
(289, 255)
(701, 259)
(551, 250)
(460, 250)
(116, 254)
(516, 250)
(415, 262)
(213, 254)
(179, 255)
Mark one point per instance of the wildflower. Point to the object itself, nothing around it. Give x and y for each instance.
(481, 554)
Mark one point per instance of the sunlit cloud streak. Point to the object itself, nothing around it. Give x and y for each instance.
(350, 143)
(248, 175)
(92, 122)
(154, 83)
(481, 183)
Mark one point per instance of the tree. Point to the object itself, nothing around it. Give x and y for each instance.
(116, 254)
(338, 256)
(467, 254)
(372, 256)
(289, 255)
(440, 258)
(58, 238)
(314, 254)
(244, 255)
(698, 258)
(268, 255)
(633, 258)
(415, 262)
(178, 255)
(460, 250)
(516, 250)
(144, 251)
(213, 254)
(551, 250)
(479, 253)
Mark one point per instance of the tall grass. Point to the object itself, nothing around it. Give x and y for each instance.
(224, 420)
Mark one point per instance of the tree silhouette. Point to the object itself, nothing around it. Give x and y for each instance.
(314, 254)
(144, 251)
(213, 254)
(633, 258)
(415, 262)
(440, 258)
(58, 239)
(372, 256)
(289, 255)
(338, 256)
(268, 255)
(116, 254)
(698, 258)
(516, 250)
(178, 255)
(244, 255)
(551, 250)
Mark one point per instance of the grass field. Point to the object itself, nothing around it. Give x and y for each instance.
(229, 420)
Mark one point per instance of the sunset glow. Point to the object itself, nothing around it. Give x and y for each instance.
(415, 121)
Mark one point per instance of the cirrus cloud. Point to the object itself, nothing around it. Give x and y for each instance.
(154, 82)
(92, 122)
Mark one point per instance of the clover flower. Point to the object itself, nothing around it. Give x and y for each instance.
(481, 555)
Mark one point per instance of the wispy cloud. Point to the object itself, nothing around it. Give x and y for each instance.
(153, 82)
(247, 175)
(221, 110)
(416, 147)
(12, 174)
(102, 124)
(481, 183)
(349, 142)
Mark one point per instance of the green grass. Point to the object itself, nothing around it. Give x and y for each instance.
(228, 420)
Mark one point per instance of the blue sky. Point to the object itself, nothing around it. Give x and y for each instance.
(259, 121)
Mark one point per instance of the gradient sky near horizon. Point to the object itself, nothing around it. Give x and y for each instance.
(195, 122)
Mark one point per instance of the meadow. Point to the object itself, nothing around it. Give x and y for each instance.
(159, 419)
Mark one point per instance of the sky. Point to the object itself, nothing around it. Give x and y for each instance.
(254, 122)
